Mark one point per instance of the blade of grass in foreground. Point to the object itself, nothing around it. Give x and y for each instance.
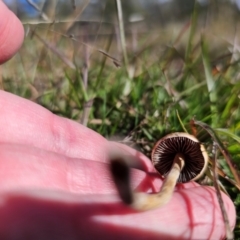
(223, 150)
(191, 36)
(210, 83)
(122, 33)
(228, 133)
(180, 120)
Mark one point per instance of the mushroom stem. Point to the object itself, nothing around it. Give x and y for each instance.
(143, 201)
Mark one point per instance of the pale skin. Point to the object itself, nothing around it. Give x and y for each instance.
(55, 180)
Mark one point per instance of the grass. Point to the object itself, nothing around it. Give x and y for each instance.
(164, 79)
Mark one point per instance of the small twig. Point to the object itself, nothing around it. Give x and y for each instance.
(229, 233)
(193, 128)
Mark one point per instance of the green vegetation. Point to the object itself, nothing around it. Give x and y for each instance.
(168, 76)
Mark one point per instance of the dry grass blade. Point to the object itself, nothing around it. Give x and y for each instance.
(224, 175)
(56, 51)
(115, 61)
(86, 112)
(72, 37)
(229, 233)
(182, 125)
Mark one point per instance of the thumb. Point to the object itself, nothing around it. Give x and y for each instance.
(12, 33)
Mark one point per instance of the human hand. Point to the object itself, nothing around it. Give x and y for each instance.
(55, 182)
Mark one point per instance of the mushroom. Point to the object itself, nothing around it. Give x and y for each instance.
(178, 157)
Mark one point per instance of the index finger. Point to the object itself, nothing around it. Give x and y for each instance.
(30, 124)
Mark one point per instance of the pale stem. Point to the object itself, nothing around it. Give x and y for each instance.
(143, 201)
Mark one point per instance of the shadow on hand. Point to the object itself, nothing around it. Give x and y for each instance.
(68, 216)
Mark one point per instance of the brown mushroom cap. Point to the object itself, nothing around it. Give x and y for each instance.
(193, 151)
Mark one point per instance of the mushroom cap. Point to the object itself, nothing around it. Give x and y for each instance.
(194, 153)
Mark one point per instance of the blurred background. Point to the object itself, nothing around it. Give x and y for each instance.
(161, 11)
(160, 49)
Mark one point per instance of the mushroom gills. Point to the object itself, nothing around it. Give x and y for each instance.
(179, 157)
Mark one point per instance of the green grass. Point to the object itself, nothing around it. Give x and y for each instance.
(172, 75)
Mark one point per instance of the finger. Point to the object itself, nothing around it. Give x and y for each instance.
(191, 214)
(28, 123)
(30, 168)
(12, 33)
(22, 167)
